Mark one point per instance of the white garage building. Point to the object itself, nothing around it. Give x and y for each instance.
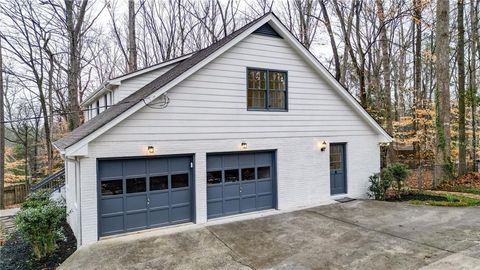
(253, 122)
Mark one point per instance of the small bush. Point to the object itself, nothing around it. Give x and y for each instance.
(37, 199)
(399, 172)
(379, 184)
(40, 223)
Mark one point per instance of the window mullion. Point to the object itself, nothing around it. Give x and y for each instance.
(267, 89)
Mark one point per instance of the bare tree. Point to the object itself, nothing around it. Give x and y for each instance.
(2, 133)
(472, 69)
(462, 151)
(386, 74)
(132, 43)
(442, 93)
(25, 39)
(74, 18)
(333, 43)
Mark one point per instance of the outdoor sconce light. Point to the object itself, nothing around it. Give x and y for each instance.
(151, 149)
(322, 146)
(243, 146)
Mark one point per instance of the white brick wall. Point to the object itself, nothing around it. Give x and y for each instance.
(303, 175)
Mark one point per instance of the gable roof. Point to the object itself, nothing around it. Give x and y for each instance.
(105, 87)
(149, 92)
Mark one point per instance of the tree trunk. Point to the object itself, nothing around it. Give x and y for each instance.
(2, 134)
(472, 77)
(462, 151)
(442, 93)
(74, 29)
(418, 53)
(132, 43)
(386, 76)
(333, 44)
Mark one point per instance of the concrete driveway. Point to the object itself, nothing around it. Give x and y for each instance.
(353, 235)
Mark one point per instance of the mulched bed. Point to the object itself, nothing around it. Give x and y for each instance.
(419, 197)
(17, 253)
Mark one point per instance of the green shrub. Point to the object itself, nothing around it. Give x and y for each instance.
(41, 225)
(399, 172)
(37, 199)
(379, 184)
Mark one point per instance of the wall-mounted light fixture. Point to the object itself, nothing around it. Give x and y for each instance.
(322, 146)
(151, 149)
(244, 146)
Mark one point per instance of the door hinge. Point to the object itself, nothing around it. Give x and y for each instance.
(191, 164)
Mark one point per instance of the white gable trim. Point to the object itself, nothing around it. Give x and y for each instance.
(118, 80)
(278, 26)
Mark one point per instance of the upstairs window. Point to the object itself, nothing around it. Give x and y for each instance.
(105, 102)
(266, 90)
(98, 106)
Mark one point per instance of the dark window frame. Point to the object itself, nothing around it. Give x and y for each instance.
(267, 90)
(98, 106)
(105, 102)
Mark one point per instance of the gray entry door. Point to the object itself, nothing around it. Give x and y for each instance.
(239, 183)
(338, 180)
(136, 194)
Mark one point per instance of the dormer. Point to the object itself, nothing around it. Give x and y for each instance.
(116, 89)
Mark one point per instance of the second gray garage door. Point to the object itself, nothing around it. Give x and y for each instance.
(239, 183)
(136, 194)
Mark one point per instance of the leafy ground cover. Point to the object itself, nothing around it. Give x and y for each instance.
(468, 183)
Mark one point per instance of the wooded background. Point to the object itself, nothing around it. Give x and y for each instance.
(411, 63)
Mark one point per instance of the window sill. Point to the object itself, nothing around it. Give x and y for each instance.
(268, 110)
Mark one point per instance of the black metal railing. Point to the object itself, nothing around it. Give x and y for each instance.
(52, 182)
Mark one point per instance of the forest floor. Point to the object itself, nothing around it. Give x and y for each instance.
(466, 185)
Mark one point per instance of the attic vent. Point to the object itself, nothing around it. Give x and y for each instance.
(267, 30)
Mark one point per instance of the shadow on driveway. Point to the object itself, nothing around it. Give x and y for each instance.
(353, 235)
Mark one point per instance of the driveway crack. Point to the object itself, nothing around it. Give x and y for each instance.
(382, 232)
(235, 256)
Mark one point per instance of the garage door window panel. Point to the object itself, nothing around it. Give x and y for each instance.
(112, 187)
(135, 185)
(159, 182)
(248, 174)
(231, 176)
(263, 172)
(180, 180)
(214, 177)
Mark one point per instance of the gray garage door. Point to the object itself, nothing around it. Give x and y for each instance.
(239, 183)
(136, 194)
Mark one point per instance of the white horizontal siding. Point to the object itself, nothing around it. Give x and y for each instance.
(211, 104)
